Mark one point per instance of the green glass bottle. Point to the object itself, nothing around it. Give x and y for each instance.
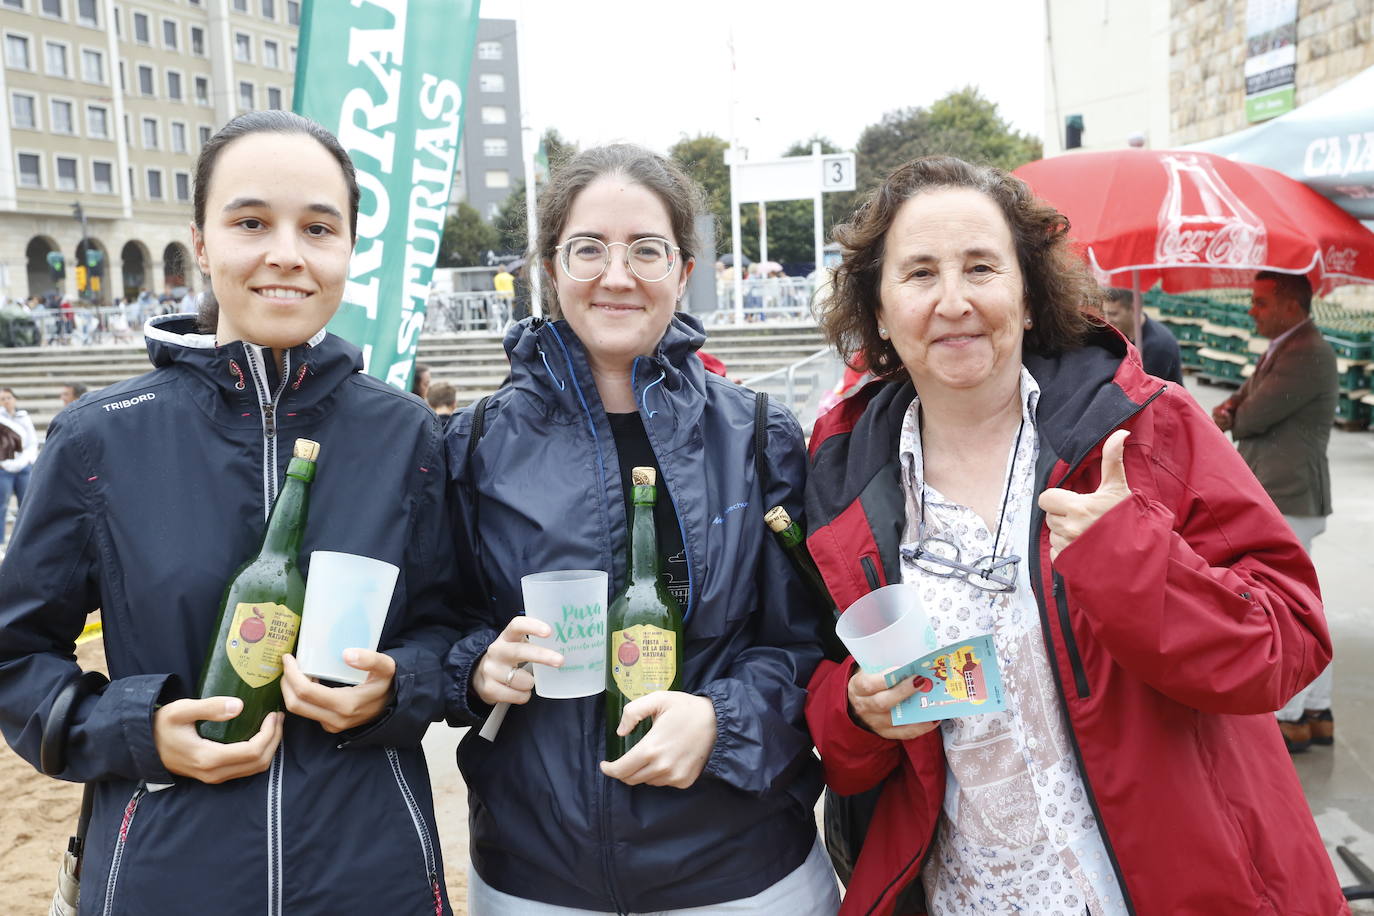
(644, 651)
(260, 614)
(793, 541)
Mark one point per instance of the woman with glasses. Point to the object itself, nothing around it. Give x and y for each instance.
(1146, 601)
(713, 808)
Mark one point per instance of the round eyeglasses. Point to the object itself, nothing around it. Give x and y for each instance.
(584, 258)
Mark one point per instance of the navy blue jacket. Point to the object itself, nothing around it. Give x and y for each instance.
(146, 498)
(545, 823)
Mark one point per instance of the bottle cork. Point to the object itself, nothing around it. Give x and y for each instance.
(643, 477)
(777, 519)
(307, 449)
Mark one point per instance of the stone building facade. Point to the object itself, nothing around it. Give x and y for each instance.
(1207, 60)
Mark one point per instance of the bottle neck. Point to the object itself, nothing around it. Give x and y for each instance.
(286, 527)
(644, 559)
(791, 536)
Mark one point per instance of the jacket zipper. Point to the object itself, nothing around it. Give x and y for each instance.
(269, 492)
(1075, 661)
(870, 572)
(421, 830)
(604, 782)
(129, 810)
(1080, 674)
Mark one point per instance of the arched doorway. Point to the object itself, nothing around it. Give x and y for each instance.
(134, 268)
(45, 274)
(97, 274)
(176, 269)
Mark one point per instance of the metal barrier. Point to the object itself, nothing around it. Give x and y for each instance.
(488, 311)
(765, 299)
(84, 326)
(802, 385)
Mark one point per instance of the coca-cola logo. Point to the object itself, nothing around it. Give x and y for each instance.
(1225, 244)
(1341, 260)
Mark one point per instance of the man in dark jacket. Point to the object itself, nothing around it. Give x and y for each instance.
(1158, 347)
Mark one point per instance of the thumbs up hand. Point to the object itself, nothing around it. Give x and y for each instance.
(1069, 514)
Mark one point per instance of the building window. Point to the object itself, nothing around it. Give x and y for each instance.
(56, 57)
(271, 54)
(204, 132)
(61, 114)
(293, 12)
(119, 22)
(170, 40)
(52, 8)
(240, 6)
(490, 50)
(491, 82)
(92, 66)
(154, 184)
(128, 131)
(66, 174)
(197, 41)
(246, 96)
(291, 58)
(178, 131)
(15, 4)
(495, 146)
(243, 47)
(24, 110)
(269, 9)
(183, 186)
(102, 177)
(123, 84)
(133, 185)
(97, 122)
(273, 97)
(174, 85)
(493, 114)
(145, 80)
(141, 33)
(150, 133)
(30, 171)
(17, 52)
(498, 178)
(202, 91)
(88, 12)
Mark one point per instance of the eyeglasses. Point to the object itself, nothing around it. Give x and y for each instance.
(584, 259)
(941, 558)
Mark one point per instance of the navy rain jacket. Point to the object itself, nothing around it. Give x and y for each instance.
(147, 497)
(545, 823)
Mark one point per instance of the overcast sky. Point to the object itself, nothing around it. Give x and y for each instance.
(651, 72)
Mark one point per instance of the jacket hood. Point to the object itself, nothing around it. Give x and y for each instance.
(549, 361)
(315, 368)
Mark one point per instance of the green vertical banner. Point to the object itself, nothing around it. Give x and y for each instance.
(387, 77)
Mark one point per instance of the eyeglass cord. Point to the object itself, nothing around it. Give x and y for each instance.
(1006, 494)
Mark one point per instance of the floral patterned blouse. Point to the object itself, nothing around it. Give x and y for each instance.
(1016, 833)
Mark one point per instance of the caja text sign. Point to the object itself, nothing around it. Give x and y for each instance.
(387, 77)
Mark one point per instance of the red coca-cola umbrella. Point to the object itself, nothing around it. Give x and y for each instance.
(1193, 220)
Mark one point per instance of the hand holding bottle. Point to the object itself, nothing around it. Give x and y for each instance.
(185, 753)
(497, 676)
(675, 750)
(338, 709)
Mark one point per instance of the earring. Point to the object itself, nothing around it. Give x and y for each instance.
(882, 332)
(1029, 322)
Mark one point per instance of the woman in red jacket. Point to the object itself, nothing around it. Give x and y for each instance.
(1147, 603)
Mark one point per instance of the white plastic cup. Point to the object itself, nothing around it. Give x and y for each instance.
(573, 603)
(885, 629)
(346, 600)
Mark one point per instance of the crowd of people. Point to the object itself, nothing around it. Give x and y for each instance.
(1011, 447)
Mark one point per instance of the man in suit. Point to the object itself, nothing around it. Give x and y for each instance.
(1281, 420)
(1158, 347)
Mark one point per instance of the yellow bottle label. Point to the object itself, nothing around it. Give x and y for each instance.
(259, 636)
(643, 659)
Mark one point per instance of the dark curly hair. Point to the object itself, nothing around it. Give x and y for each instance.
(1058, 289)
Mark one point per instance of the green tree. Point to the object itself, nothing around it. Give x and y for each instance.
(467, 239)
(703, 158)
(509, 221)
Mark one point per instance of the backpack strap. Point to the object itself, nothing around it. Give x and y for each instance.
(761, 441)
(479, 417)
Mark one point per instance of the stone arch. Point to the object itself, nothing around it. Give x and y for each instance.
(40, 272)
(177, 267)
(100, 275)
(135, 266)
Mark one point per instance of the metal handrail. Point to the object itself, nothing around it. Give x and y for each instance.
(826, 370)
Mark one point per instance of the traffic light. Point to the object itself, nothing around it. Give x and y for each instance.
(57, 265)
(93, 257)
(80, 278)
